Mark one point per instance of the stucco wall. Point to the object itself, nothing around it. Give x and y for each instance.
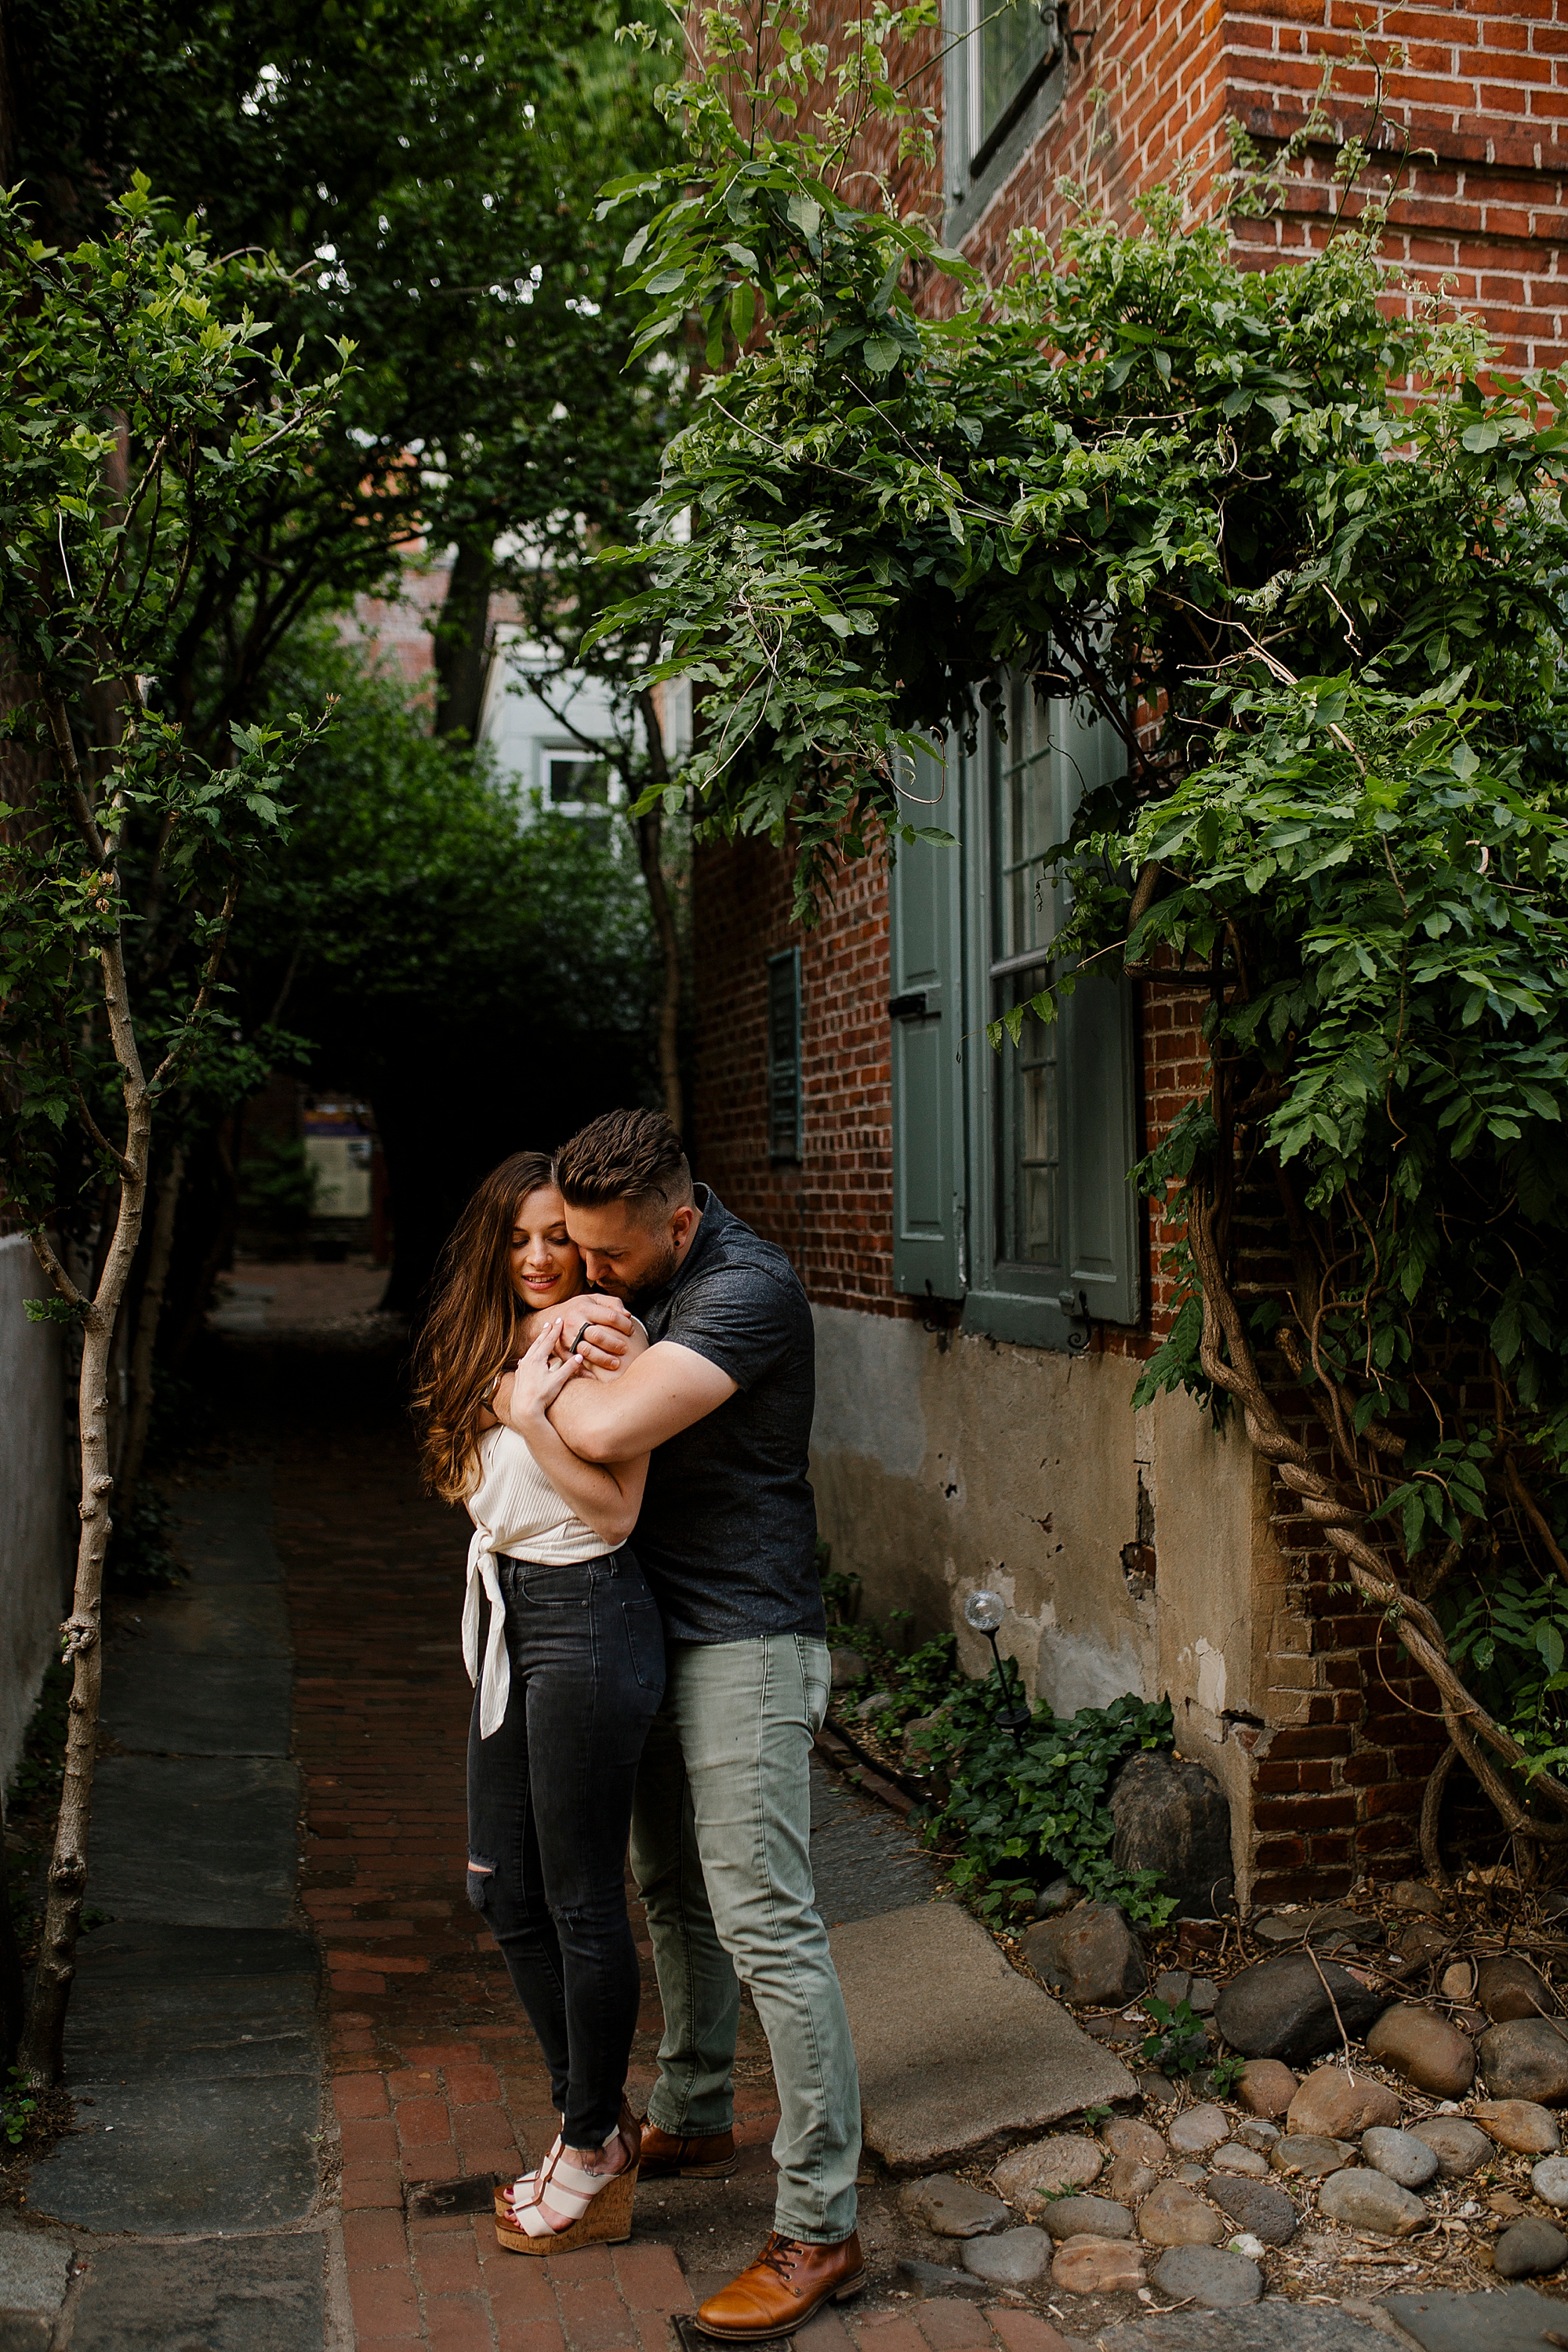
(34, 1563)
(1127, 1546)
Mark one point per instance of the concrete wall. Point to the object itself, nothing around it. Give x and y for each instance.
(34, 1563)
(1128, 1547)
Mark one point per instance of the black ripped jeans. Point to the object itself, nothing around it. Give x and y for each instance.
(550, 1806)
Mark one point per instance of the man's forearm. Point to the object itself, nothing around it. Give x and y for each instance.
(584, 1417)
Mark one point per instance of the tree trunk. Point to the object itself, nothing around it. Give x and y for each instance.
(462, 641)
(42, 2053)
(650, 842)
(143, 1354)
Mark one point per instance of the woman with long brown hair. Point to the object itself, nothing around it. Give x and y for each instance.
(573, 1673)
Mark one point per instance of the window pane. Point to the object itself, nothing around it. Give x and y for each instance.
(572, 782)
(1029, 820)
(1013, 40)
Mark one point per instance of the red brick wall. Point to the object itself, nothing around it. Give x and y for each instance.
(835, 1212)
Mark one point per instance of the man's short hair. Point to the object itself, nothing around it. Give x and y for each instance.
(635, 1156)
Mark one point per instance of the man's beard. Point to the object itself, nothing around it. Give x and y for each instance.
(655, 1276)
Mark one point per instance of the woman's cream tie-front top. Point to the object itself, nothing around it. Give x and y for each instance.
(515, 1511)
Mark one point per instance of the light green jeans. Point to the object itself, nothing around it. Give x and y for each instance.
(721, 1850)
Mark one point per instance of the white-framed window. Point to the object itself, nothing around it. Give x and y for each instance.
(1006, 72)
(1010, 1187)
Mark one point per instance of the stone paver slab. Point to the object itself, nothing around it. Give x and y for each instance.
(260, 2294)
(957, 2052)
(1273, 2325)
(211, 1620)
(208, 1841)
(865, 1861)
(157, 2002)
(187, 2157)
(1509, 2319)
(232, 1707)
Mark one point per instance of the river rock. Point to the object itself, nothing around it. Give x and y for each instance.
(1130, 2136)
(1280, 2009)
(1458, 2145)
(1130, 2180)
(846, 1667)
(1253, 2132)
(1519, 2124)
(1364, 2198)
(1046, 2166)
(1400, 2155)
(1172, 1817)
(1086, 2216)
(1529, 2250)
(1422, 1943)
(1214, 2280)
(1197, 2129)
(1097, 2267)
(1508, 1987)
(1252, 2205)
(1309, 2156)
(1090, 1955)
(1325, 1928)
(1426, 2049)
(1174, 2215)
(1334, 2103)
(1202, 1996)
(1410, 1894)
(1526, 2059)
(1060, 1896)
(1017, 2258)
(952, 2207)
(1247, 2161)
(1266, 2088)
(1548, 2180)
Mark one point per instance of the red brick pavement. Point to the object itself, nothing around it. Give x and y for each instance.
(436, 2076)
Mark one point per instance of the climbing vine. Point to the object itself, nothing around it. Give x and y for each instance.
(1301, 544)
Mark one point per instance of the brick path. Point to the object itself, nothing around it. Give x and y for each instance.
(435, 2076)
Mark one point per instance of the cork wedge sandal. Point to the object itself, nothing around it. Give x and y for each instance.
(600, 2203)
(508, 2192)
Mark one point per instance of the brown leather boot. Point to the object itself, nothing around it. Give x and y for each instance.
(707, 2155)
(786, 2283)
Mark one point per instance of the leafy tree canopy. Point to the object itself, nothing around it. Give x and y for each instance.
(423, 172)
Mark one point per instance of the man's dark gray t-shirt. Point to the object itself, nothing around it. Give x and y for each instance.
(727, 1535)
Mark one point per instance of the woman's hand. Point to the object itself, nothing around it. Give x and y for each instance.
(524, 1397)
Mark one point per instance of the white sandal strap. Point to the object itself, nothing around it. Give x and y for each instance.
(569, 2190)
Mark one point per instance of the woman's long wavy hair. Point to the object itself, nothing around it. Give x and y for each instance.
(471, 1330)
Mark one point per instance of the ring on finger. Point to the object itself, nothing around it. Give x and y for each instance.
(578, 1341)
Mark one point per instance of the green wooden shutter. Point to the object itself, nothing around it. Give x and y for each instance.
(926, 1020)
(1099, 1122)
